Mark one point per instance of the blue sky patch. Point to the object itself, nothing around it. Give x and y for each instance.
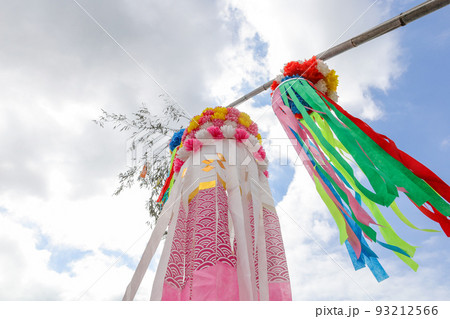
(280, 177)
(259, 47)
(61, 258)
(124, 258)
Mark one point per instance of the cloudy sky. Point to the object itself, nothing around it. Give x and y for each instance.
(63, 236)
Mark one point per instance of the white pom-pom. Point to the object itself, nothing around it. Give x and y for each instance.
(206, 125)
(182, 154)
(202, 134)
(323, 68)
(321, 85)
(333, 95)
(228, 131)
(230, 123)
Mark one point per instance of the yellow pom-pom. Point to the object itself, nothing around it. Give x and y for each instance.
(259, 138)
(244, 119)
(221, 109)
(332, 80)
(194, 123)
(196, 119)
(219, 115)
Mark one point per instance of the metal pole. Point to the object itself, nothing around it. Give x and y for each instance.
(402, 19)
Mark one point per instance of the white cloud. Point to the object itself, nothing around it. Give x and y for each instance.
(58, 169)
(296, 30)
(26, 274)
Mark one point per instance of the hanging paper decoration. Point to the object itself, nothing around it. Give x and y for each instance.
(223, 240)
(332, 144)
(143, 172)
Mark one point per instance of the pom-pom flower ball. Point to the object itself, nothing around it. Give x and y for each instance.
(176, 139)
(314, 70)
(218, 123)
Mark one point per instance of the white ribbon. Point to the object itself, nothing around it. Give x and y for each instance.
(153, 243)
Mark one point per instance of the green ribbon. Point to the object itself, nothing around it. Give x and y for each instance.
(382, 170)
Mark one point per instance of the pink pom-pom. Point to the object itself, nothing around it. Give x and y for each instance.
(217, 122)
(208, 112)
(266, 173)
(188, 144)
(185, 134)
(233, 114)
(192, 133)
(197, 145)
(177, 164)
(262, 153)
(232, 117)
(257, 156)
(204, 119)
(253, 129)
(233, 110)
(215, 132)
(192, 145)
(241, 135)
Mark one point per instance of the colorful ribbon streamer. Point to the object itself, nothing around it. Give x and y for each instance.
(332, 144)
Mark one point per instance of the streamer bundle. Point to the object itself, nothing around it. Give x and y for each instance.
(332, 143)
(223, 240)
